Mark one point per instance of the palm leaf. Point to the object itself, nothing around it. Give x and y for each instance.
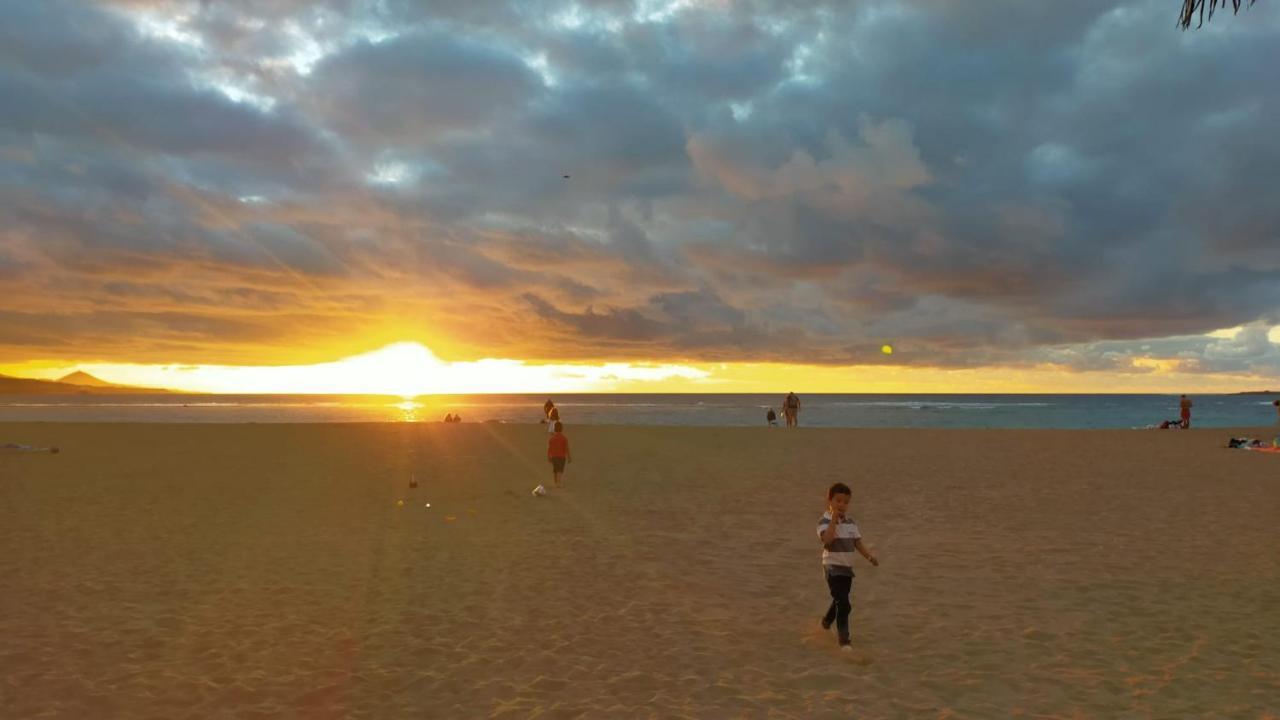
(1195, 8)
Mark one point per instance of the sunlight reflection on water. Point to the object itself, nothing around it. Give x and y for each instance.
(408, 411)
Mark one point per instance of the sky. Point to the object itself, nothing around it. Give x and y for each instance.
(701, 195)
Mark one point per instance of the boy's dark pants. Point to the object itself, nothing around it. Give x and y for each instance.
(839, 585)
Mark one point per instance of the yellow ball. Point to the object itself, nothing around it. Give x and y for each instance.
(886, 349)
(399, 503)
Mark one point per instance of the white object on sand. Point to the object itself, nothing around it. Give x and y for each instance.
(539, 491)
(28, 448)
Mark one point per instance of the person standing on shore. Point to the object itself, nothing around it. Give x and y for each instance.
(546, 409)
(1185, 406)
(1276, 403)
(791, 409)
(558, 452)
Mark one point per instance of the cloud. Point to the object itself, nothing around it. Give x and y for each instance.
(1002, 184)
(410, 88)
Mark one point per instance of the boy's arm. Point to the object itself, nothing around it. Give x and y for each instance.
(857, 544)
(568, 454)
(830, 533)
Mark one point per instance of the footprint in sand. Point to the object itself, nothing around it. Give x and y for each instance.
(819, 638)
(857, 657)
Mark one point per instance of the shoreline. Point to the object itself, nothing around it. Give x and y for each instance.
(724, 410)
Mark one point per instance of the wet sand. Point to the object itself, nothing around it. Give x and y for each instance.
(267, 571)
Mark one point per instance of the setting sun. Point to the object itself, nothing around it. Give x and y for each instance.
(406, 369)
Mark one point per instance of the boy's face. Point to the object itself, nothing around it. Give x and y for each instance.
(839, 503)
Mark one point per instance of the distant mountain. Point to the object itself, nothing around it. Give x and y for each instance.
(81, 377)
(1259, 392)
(26, 386)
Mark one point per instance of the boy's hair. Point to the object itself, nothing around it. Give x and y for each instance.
(559, 426)
(838, 489)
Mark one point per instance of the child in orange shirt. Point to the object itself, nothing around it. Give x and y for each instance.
(558, 452)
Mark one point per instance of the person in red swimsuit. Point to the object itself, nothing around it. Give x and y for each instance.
(1185, 405)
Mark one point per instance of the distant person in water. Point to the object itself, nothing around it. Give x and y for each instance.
(558, 452)
(771, 417)
(1185, 406)
(791, 409)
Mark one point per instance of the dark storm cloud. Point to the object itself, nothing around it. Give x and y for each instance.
(1003, 183)
(70, 70)
(404, 91)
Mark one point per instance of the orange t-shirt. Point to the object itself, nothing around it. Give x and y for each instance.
(558, 446)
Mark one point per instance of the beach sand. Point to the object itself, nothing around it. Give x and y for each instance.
(164, 571)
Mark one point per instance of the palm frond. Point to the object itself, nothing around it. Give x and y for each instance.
(1193, 8)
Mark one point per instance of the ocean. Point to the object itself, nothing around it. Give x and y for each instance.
(896, 411)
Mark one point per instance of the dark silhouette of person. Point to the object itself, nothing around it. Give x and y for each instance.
(791, 409)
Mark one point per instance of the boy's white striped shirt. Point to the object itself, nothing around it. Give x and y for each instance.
(839, 552)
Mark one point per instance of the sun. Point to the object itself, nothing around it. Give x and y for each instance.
(406, 369)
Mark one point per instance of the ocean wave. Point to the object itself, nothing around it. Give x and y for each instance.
(939, 405)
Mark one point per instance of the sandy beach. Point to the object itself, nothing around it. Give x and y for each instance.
(164, 571)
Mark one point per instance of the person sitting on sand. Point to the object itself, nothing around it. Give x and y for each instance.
(558, 452)
(771, 417)
(839, 536)
(448, 418)
(1185, 406)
